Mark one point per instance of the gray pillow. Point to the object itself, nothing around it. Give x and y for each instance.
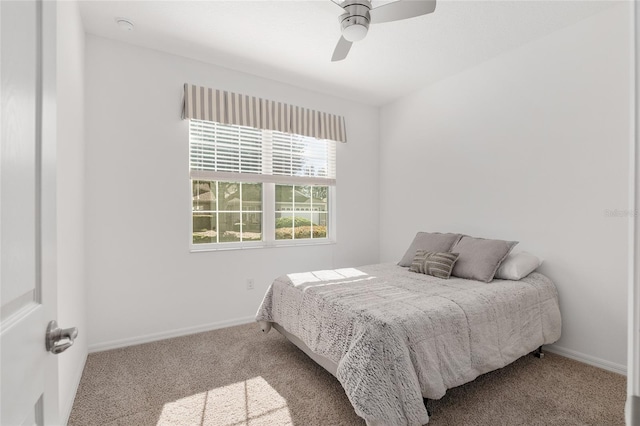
(429, 241)
(438, 265)
(480, 258)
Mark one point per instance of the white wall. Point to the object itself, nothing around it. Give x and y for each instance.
(70, 197)
(142, 281)
(533, 146)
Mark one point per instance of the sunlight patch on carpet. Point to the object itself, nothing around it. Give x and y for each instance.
(251, 402)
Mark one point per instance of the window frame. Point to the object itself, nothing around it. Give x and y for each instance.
(268, 211)
(217, 212)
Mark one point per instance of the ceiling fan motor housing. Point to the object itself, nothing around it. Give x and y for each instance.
(359, 14)
(355, 23)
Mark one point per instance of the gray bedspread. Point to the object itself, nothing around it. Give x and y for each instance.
(397, 335)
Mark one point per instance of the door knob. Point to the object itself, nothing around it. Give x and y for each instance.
(58, 339)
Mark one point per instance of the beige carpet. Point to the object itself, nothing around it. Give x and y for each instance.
(237, 376)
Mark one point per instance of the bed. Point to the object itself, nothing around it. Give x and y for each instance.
(393, 337)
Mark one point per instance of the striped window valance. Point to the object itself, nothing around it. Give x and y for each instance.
(201, 103)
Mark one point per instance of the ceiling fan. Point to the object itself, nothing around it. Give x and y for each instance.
(359, 14)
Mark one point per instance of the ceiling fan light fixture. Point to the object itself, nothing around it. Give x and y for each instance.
(355, 32)
(354, 28)
(359, 14)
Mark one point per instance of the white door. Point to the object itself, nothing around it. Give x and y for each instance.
(28, 372)
(633, 362)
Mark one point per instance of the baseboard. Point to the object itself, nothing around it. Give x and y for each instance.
(67, 410)
(114, 344)
(588, 359)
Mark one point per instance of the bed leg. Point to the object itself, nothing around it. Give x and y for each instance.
(538, 353)
(425, 401)
(264, 326)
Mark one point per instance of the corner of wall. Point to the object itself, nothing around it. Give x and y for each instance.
(379, 147)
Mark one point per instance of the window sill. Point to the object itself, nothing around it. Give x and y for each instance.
(283, 244)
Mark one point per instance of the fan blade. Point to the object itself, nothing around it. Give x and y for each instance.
(337, 3)
(342, 49)
(401, 10)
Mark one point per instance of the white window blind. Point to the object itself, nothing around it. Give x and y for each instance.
(245, 154)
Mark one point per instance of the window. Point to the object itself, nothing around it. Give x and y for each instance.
(253, 187)
(301, 212)
(226, 211)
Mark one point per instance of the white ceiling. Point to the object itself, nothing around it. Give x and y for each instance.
(292, 41)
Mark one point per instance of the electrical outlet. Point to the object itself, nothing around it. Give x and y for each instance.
(250, 284)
